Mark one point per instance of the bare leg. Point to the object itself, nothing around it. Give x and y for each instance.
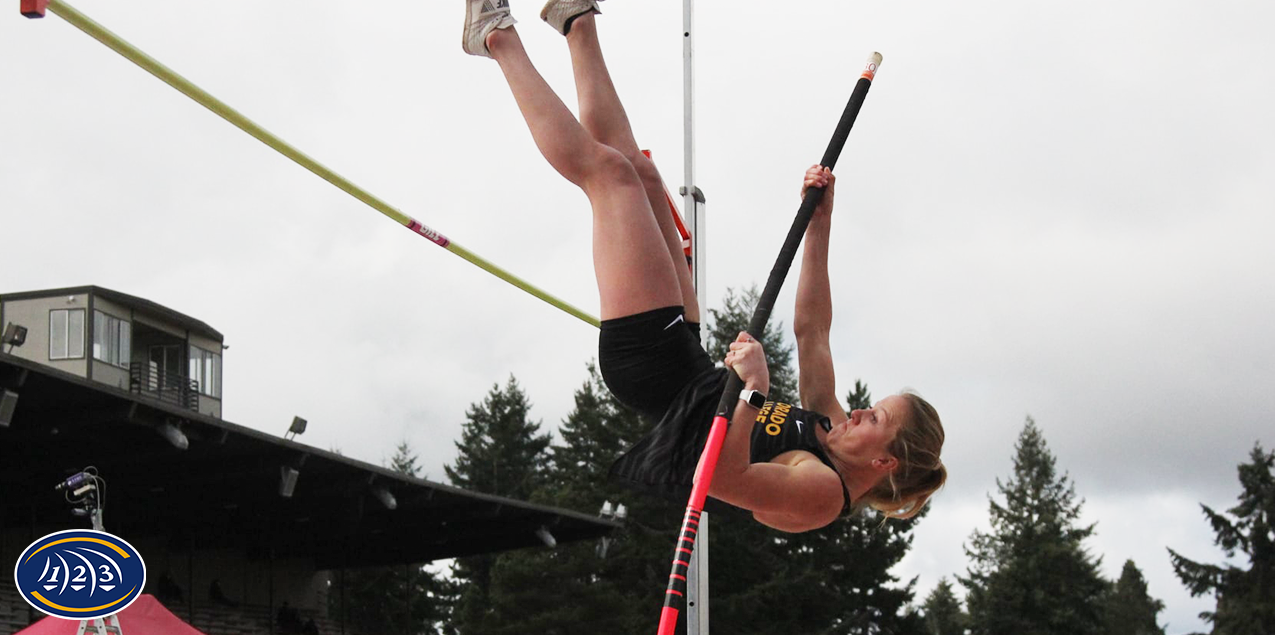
(629, 258)
(603, 116)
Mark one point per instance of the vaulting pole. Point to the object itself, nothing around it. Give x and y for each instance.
(36, 8)
(675, 594)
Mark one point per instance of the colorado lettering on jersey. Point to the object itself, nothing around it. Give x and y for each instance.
(773, 415)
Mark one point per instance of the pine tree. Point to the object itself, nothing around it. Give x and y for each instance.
(573, 588)
(405, 460)
(500, 452)
(943, 612)
(1245, 597)
(398, 599)
(1031, 575)
(1129, 609)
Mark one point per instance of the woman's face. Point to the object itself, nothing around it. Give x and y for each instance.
(864, 439)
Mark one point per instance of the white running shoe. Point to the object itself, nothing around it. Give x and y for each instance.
(558, 13)
(481, 18)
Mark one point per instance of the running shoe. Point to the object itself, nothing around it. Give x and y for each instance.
(481, 18)
(560, 13)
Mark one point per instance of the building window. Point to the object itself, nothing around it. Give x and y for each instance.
(112, 339)
(66, 334)
(205, 369)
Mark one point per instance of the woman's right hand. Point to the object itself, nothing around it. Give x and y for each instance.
(748, 360)
(819, 176)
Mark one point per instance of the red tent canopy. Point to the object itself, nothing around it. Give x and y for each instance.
(146, 616)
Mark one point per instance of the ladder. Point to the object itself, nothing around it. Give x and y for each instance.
(109, 625)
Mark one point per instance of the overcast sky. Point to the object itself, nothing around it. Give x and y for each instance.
(1057, 212)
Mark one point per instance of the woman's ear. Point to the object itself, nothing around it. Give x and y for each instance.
(885, 463)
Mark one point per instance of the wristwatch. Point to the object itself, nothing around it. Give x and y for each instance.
(754, 398)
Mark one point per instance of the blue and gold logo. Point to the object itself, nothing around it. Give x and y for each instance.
(80, 574)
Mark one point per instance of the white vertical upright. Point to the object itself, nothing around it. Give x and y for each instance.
(693, 205)
(693, 202)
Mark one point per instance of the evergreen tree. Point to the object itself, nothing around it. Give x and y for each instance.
(406, 599)
(500, 452)
(398, 599)
(943, 612)
(1032, 575)
(1245, 597)
(844, 570)
(1129, 609)
(405, 460)
(573, 588)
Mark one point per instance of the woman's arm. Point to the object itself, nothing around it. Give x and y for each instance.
(792, 497)
(747, 359)
(812, 491)
(812, 321)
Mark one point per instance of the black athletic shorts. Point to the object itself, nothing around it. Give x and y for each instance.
(647, 358)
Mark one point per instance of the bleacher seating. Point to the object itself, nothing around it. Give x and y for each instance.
(13, 610)
(250, 620)
(220, 620)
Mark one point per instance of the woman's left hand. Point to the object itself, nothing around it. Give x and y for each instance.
(748, 360)
(819, 176)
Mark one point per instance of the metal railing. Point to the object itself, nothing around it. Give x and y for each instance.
(171, 388)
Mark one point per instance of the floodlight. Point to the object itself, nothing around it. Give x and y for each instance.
(174, 435)
(297, 427)
(546, 537)
(14, 335)
(387, 499)
(288, 480)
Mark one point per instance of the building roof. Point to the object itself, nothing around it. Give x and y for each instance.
(141, 304)
(223, 491)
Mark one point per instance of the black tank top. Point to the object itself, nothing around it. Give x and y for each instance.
(782, 427)
(663, 461)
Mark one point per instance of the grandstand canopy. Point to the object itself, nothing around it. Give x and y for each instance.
(224, 490)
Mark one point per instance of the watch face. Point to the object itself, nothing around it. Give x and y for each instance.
(756, 399)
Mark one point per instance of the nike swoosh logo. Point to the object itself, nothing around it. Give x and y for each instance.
(679, 318)
(798, 421)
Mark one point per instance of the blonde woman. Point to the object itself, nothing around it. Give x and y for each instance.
(793, 469)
